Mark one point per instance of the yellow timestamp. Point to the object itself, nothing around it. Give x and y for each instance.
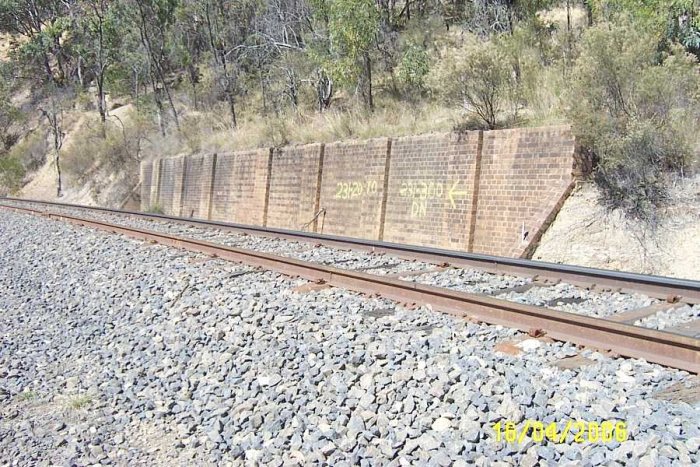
(576, 431)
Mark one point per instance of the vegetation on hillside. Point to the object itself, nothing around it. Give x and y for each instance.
(212, 75)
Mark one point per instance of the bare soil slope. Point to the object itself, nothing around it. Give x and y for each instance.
(585, 234)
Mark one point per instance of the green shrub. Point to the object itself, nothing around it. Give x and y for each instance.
(481, 81)
(11, 175)
(117, 149)
(637, 112)
(155, 209)
(31, 151)
(413, 69)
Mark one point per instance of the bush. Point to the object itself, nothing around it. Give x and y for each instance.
(637, 112)
(11, 175)
(116, 150)
(481, 81)
(413, 69)
(31, 151)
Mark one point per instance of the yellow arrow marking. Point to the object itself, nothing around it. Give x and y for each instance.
(453, 191)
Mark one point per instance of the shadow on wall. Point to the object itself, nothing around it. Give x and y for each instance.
(491, 192)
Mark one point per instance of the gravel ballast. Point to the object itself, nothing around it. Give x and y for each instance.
(116, 351)
(560, 297)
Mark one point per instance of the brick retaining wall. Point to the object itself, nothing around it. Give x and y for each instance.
(294, 180)
(430, 190)
(489, 192)
(241, 187)
(352, 187)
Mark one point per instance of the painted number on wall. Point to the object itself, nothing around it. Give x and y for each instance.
(420, 191)
(354, 190)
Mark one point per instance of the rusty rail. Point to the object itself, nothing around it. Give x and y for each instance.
(655, 346)
(683, 290)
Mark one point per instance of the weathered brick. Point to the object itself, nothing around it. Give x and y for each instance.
(146, 177)
(522, 183)
(352, 187)
(294, 185)
(430, 189)
(240, 187)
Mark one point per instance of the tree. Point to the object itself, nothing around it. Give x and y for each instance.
(11, 174)
(43, 24)
(154, 19)
(636, 113)
(99, 27)
(481, 81)
(414, 68)
(229, 26)
(353, 28)
(53, 113)
(9, 117)
(674, 20)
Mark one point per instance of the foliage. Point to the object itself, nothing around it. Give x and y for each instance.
(155, 209)
(414, 67)
(211, 74)
(481, 82)
(95, 151)
(673, 20)
(11, 174)
(10, 117)
(353, 28)
(31, 151)
(636, 112)
(344, 35)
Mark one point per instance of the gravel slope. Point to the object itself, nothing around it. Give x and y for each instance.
(114, 351)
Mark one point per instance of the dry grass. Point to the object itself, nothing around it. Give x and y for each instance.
(79, 402)
(204, 132)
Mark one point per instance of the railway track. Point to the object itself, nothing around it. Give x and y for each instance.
(677, 346)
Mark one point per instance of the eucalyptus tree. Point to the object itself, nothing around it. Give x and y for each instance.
(43, 24)
(100, 27)
(345, 35)
(229, 26)
(154, 20)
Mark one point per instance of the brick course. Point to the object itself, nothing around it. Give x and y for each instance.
(146, 177)
(170, 190)
(524, 173)
(198, 172)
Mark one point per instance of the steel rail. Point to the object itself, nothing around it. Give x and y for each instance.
(655, 346)
(656, 286)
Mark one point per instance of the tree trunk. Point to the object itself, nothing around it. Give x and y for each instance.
(59, 191)
(102, 103)
(47, 68)
(159, 105)
(136, 88)
(231, 106)
(170, 101)
(194, 79)
(80, 72)
(368, 76)
(589, 12)
(59, 61)
(57, 143)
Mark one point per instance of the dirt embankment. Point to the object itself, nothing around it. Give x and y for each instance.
(585, 234)
(42, 185)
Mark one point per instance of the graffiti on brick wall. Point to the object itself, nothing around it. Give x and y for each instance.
(356, 189)
(422, 191)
